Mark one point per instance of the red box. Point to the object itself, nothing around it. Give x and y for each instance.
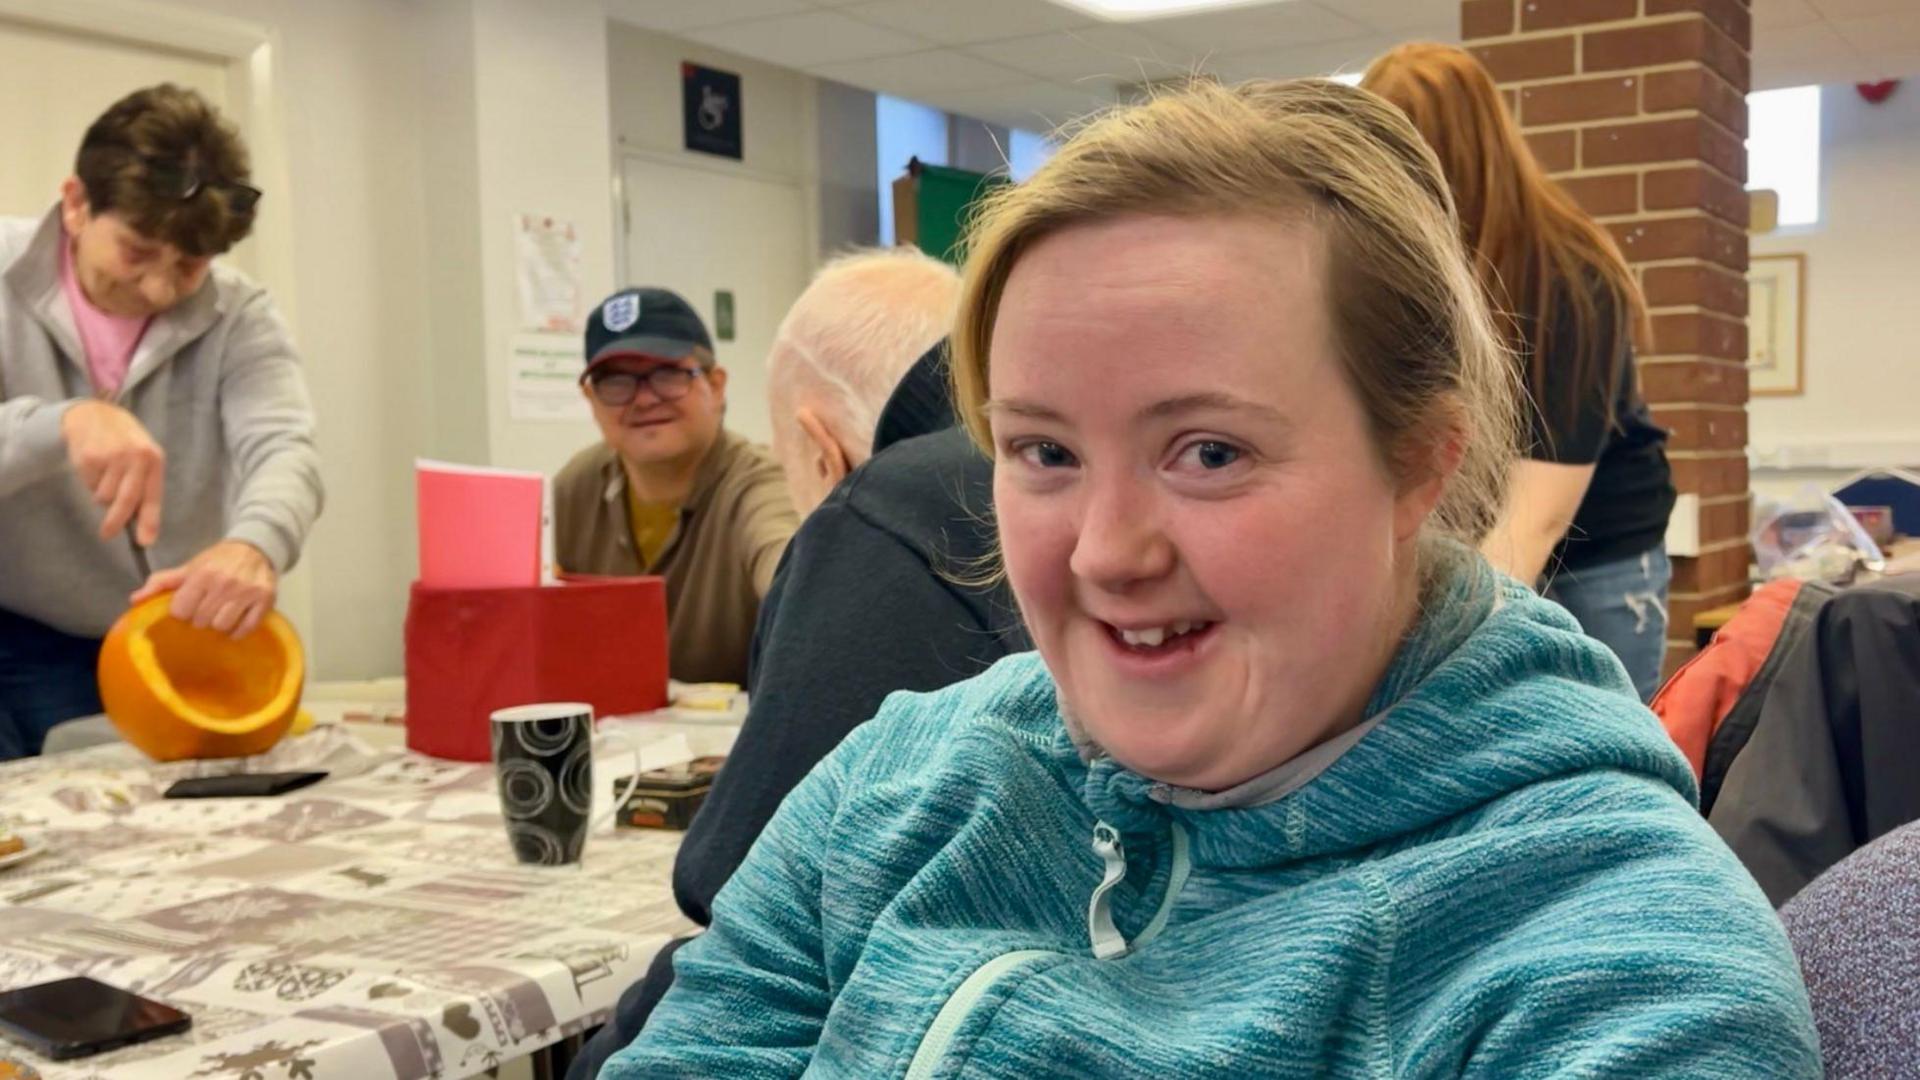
(471, 651)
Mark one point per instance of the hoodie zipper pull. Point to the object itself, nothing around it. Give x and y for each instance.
(1107, 942)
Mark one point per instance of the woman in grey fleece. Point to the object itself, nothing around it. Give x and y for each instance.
(147, 397)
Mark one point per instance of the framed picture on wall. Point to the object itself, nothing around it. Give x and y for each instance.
(1776, 320)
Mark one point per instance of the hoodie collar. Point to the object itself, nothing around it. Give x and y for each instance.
(1454, 723)
(921, 402)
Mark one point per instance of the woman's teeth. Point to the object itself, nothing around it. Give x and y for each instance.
(1154, 637)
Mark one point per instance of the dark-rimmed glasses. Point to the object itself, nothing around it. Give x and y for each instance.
(615, 388)
(180, 182)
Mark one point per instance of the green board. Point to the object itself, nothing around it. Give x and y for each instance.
(945, 199)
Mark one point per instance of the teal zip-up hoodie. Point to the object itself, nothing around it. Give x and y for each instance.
(1503, 877)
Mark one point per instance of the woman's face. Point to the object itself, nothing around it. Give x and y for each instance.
(1207, 549)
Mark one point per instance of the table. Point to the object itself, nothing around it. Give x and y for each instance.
(374, 926)
(1708, 623)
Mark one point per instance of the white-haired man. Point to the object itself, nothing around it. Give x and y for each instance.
(841, 351)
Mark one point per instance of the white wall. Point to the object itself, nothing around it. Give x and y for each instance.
(1862, 358)
(849, 192)
(541, 98)
(643, 85)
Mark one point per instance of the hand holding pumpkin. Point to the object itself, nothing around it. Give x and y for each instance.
(120, 463)
(229, 587)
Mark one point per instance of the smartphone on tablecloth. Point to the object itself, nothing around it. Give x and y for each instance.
(241, 785)
(76, 1017)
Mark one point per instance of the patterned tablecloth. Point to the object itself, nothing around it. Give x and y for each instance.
(372, 926)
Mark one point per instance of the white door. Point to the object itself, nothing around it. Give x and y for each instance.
(702, 231)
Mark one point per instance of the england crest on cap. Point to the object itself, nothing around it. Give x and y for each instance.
(621, 312)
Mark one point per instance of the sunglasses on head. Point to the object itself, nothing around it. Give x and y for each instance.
(180, 182)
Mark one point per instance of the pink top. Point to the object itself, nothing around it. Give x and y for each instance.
(108, 340)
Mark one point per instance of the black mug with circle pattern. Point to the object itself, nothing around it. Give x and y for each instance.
(543, 762)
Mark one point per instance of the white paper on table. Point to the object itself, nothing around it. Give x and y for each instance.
(547, 251)
(543, 378)
(664, 753)
(616, 760)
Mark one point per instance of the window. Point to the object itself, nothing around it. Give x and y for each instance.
(1783, 150)
(903, 130)
(1026, 152)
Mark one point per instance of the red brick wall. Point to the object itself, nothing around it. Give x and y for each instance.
(1639, 108)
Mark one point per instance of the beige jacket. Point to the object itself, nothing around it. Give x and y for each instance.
(717, 564)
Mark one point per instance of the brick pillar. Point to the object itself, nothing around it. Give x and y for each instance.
(1638, 107)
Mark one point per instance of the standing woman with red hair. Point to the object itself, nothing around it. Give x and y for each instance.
(1586, 518)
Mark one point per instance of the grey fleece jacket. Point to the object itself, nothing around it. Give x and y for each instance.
(216, 383)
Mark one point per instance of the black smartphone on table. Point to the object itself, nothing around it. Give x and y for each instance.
(241, 785)
(76, 1017)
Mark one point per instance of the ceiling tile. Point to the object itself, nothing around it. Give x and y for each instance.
(914, 75)
(954, 23)
(1035, 106)
(1781, 74)
(1325, 58)
(680, 15)
(1854, 9)
(1247, 29)
(1111, 52)
(1781, 14)
(1815, 41)
(1397, 15)
(1890, 64)
(808, 39)
(1881, 33)
(1802, 55)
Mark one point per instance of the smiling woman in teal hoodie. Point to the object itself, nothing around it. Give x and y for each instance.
(1295, 783)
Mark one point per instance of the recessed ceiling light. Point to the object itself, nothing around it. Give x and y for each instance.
(1138, 10)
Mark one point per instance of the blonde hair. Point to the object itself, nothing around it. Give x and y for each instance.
(1408, 317)
(861, 323)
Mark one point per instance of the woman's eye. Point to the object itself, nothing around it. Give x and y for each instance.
(1045, 455)
(1210, 454)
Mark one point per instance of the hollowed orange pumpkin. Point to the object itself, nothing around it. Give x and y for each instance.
(177, 691)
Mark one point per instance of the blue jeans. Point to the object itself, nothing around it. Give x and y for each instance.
(45, 677)
(1624, 604)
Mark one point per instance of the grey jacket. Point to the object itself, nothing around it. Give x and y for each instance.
(215, 381)
(1816, 757)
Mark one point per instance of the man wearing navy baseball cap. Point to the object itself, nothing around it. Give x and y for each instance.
(669, 490)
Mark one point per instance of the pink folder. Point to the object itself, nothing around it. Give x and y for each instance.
(479, 528)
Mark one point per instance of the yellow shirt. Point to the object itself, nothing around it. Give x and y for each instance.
(652, 525)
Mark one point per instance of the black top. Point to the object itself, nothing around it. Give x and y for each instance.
(864, 604)
(1627, 503)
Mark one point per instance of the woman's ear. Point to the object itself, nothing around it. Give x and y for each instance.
(74, 207)
(1427, 469)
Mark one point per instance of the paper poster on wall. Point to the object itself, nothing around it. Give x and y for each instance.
(543, 378)
(548, 253)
